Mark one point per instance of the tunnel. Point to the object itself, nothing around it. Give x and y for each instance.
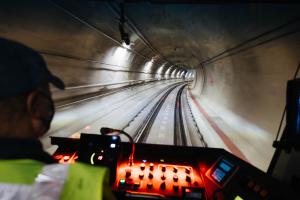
(233, 59)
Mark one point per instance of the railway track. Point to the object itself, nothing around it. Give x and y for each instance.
(195, 135)
(179, 132)
(144, 129)
(184, 123)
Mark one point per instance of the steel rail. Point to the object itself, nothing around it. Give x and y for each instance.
(143, 130)
(179, 132)
(192, 123)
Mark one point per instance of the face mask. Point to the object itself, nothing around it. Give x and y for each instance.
(47, 118)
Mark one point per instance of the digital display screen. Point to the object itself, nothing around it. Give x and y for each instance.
(218, 175)
(225, 166)
(194, 193)
(222, 170)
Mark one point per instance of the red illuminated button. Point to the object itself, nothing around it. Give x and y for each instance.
(66, 157)
(187, 170)
(175, 187)
(141, 175)
(149, 185)
(188, 179)
(163, 168)
(142, 166)
(128, 172)
(151, 166)
(175, 178)
(150, 176)
(163, 177)
(175, 169)
(163, 185)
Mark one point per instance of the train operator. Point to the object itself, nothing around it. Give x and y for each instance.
(26, 111)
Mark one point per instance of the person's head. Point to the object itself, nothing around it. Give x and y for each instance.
(26, 105)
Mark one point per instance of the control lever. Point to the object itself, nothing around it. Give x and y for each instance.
(111, 131)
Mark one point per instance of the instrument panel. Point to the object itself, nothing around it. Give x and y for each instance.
(162, 179)
(171, 172)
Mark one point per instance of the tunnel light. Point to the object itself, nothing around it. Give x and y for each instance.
(173, 74)
(188, 75)
(120, 52)
(168, 71)
(159, 71)
(178, 74)
(148, 66)
(120, 56)
(182, 74)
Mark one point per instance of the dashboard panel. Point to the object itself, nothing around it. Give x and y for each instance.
(171, 172)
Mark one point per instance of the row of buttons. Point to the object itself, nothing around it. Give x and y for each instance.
(136, 185)
(257, 189)
(163, 177)
(163, 168)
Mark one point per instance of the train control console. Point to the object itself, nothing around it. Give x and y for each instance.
(171, 172)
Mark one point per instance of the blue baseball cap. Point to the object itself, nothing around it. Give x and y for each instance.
(22, 69)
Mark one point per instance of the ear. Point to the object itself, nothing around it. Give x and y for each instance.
(35, 112)
(34, 104)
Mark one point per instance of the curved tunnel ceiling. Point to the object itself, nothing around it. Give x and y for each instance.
(185, 35)
(190, 34)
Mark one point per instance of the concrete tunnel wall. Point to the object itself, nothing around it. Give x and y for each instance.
(74, 50)
(247, 92)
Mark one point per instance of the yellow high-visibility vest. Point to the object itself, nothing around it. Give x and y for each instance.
(27, 179)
